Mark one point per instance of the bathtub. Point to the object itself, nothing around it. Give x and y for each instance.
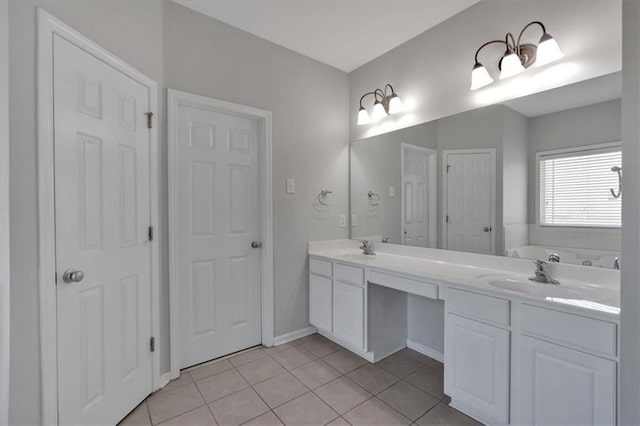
(573, 256)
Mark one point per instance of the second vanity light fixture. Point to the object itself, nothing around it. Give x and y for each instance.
(517, 57)
(384, 104)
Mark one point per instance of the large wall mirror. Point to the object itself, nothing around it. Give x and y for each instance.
(536, 177)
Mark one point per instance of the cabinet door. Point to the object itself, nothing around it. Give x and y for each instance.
(348, 313)
(561, 386)
(320, 302)
(477, 367)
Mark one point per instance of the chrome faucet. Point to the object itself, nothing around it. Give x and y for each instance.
(616, 263)
(554, 257)
(541, 275)
(367, 248)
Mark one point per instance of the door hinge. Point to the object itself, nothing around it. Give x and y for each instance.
(149, 115)
(150, 233)
(447, 219)
(448, 167)
(152, 344)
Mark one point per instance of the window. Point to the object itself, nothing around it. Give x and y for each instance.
(574, 187)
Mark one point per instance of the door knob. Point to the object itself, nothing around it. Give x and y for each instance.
(72, 276)
(256, 244)
(486, 229)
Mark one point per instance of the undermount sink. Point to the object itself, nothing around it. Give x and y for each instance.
(532, 288)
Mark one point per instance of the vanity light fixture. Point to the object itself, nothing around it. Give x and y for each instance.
(517, 57)
(384, 104)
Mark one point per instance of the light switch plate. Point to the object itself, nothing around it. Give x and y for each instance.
(354, 220)
(291, 186)
(343, 220)
(392, 192)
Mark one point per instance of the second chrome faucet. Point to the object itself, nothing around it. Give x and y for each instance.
(541, 273)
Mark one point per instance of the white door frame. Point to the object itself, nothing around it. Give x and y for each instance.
(433, 190)
(445, 181)
(48, 25)
(4, 213)
(178, 98)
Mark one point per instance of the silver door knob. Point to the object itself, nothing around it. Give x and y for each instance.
(72, 276)
(486, 229)
(256, 244)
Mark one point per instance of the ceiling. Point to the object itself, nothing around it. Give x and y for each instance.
(587, 92)
(342, 33)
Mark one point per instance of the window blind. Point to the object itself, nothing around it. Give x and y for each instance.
(575, 188)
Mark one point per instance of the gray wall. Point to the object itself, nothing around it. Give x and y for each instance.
(481, 128)
(587, 125)
(309, 102)
(432, 71)
(376, 166)
(630, 273)
(183, 50)
(132, 30)
(514, 167)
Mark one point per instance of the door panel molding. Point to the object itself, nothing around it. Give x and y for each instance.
(48, 26)
(178, 98)
(432, 221)
(445, 181)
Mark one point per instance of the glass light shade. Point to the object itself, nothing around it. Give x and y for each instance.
(511, 66)
(480, 77)
(363, 117)
(395, 104)
(378, 111)
(548, 51)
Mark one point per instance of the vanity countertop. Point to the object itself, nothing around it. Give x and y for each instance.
(602, 299)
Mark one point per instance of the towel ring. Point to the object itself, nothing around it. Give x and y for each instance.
(322, 197)
(374, 199)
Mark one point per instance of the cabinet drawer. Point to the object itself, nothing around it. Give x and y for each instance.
(320, 267)
(350, 274)
(567, 329)
(478, 306)
(421, 288)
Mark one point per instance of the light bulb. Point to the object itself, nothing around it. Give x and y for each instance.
(548, 51)
(363, 116)
(378, 111)
(511, 65)
(395, 104)
(480, 77)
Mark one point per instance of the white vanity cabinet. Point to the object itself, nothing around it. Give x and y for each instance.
(561, 386)
(477, 354)
(337, 302)
(348, 313)
(567, 368)
(321, 302)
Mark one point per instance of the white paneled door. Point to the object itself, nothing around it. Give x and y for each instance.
(415, 197)
(103, 258)
(469, 207)
(217, 247)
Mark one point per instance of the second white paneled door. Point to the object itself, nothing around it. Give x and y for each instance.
(217, 232)
(470, 199)
(102, 213)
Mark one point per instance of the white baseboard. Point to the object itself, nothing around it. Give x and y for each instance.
(164, 379)
(425, 350)
(289, 337)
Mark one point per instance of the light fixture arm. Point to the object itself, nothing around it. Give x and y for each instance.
(367, 94)
(513, 47)
(544, 30)
(485, 45)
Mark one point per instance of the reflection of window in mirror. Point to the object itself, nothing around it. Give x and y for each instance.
(576, 186)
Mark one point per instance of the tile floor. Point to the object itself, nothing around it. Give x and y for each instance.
(310, 381)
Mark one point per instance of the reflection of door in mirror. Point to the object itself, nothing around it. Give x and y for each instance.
(469, 180)
(419, 196)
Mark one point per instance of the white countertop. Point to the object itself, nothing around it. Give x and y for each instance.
(504, 277)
